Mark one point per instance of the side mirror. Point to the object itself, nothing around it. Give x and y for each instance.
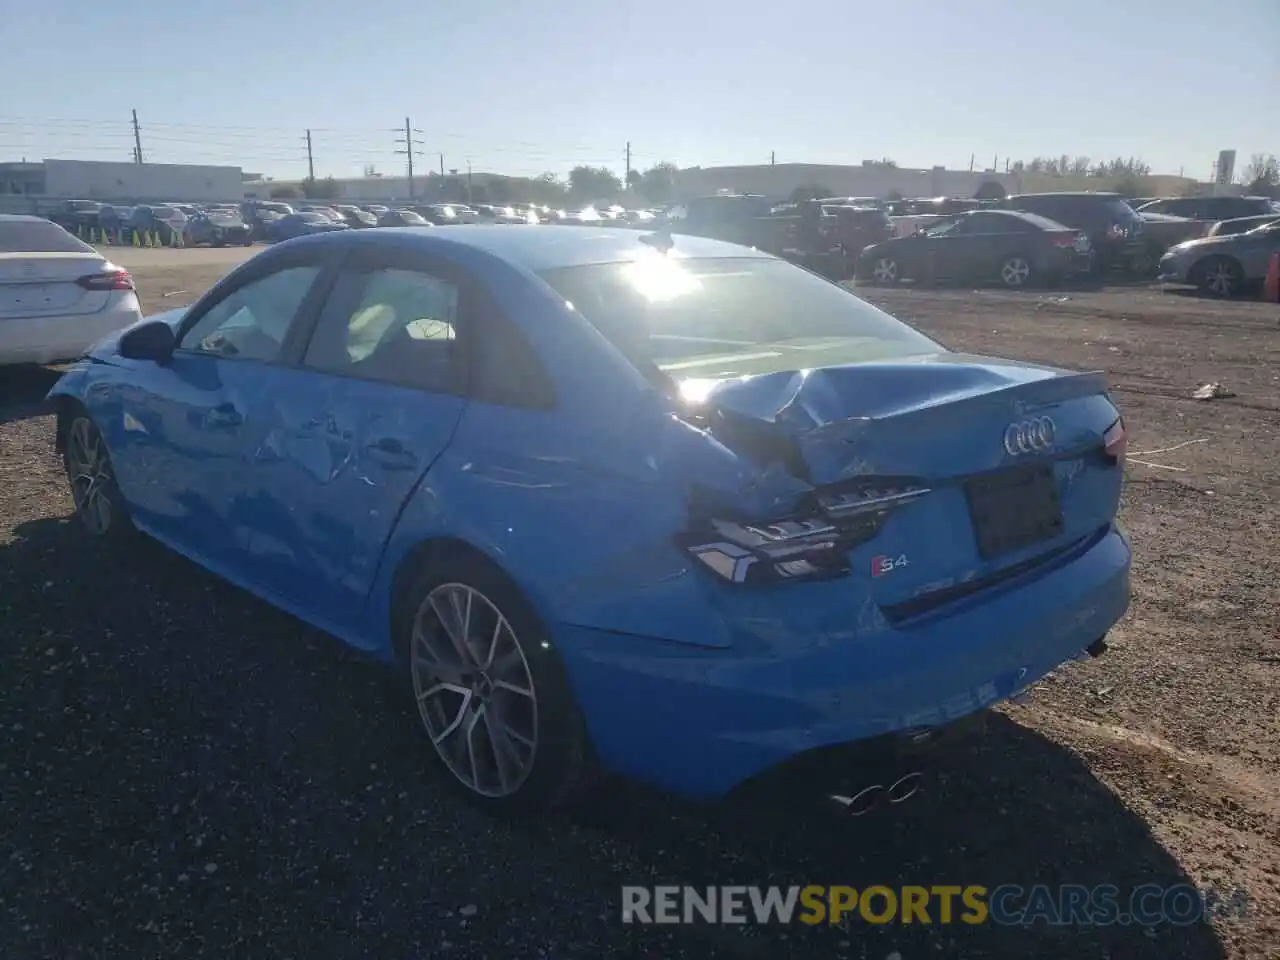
(152, 341)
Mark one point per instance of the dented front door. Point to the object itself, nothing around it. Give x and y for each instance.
(338, 460)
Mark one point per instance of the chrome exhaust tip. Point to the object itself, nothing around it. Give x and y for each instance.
(905, 788)
(862, 802)
(871, 798)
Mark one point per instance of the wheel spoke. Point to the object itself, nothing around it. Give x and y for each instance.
(457, 721)
(505, 759)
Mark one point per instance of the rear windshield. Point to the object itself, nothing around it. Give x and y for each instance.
(167, 212)
(1118, 208)
(38, 236)
(730, 317)
(313, 218)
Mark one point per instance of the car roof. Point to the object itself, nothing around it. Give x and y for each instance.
(21, 218)
(538, 248)
(1075, 194)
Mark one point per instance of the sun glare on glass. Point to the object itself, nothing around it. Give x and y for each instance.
(657, 278)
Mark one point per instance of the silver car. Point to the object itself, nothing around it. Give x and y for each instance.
(1222, 266)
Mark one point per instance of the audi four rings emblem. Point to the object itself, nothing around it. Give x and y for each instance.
(1029, 436)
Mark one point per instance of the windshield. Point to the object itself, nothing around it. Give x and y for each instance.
(313, 218)
(730, 317)
(38, 236)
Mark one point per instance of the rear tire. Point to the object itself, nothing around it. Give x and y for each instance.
(489, 688)
(1016, 272)
(1218, 276)
(99, 505)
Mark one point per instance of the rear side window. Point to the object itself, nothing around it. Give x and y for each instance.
(38, 236)
(402, 330)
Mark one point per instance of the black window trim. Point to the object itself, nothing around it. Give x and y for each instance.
(264, 265)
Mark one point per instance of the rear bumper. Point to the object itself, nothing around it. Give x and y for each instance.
(53, 339)
(701, 722)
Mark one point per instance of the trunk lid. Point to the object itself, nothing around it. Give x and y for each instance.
(44, 284)
(1009, 457)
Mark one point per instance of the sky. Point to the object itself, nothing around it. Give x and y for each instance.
(526, 86)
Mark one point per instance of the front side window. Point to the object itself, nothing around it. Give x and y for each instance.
(730, 317)
(402, 330)
(251, 322)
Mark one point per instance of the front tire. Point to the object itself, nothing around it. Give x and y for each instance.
(885, 271)
(490, 690)
(1218, 277)
(99, 505)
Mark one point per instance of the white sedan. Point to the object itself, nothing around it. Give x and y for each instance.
(58, 296)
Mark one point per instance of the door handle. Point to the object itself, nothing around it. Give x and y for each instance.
(224, 415)
(391, 453)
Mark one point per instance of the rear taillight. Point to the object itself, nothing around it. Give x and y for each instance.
(1065, 240)
(107, 280)
(810, 546)
(1115, 441)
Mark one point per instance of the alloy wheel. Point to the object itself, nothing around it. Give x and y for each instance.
(1015, 271)
(885, 270)
(89, 470)
(474, 690)
(1220, 279)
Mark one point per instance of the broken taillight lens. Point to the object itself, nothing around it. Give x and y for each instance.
(1115, 441)
(810, 546)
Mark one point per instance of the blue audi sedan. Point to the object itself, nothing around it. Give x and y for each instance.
(618, 501)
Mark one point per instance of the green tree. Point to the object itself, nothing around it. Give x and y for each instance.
(658, 183)
(286, 191)
(593, 183)
(1262, 175)
(326, 189)
(990, 190)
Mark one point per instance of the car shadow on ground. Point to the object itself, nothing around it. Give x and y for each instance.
(23, 389)
(191, 772)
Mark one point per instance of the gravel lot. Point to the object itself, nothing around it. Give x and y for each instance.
(185, 772)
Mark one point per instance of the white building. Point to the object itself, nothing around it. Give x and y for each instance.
(32, 183)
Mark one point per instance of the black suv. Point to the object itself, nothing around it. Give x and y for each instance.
(1113, 228)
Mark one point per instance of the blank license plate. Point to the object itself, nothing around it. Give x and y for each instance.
(1014, 509)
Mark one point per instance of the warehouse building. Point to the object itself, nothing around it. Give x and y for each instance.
(27, 184)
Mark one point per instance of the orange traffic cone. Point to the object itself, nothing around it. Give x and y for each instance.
(1271, 286)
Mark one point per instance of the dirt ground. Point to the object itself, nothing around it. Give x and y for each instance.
(186, 772)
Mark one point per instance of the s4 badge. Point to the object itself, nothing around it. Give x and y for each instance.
(882, 565)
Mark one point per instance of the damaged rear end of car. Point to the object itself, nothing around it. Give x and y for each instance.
(876, 540)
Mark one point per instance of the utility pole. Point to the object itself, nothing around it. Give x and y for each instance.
(468, 181)
(442, 164)
(311, 160)
(409, 149)
(773, 157)
(137, 139)
(626, 180)
(971, 160)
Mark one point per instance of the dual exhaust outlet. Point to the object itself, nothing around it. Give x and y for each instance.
(878, 795)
